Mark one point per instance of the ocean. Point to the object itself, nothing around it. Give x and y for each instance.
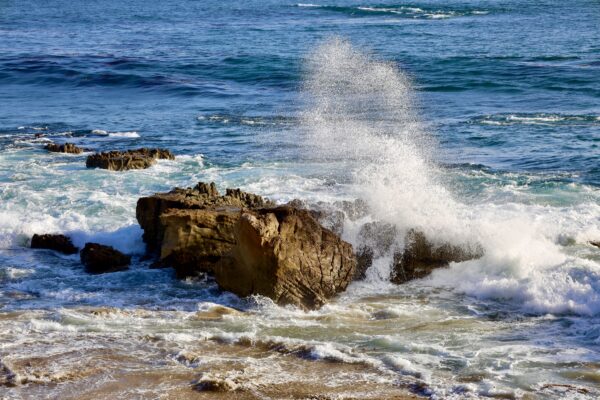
(472, 121)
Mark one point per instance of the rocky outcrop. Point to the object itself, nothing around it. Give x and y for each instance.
(99, 259)
(420, 257)
(126, 160)
(195, 240)
(63, 148)
(285, 254)
(60, 243)
(203, 196)
(248, 245)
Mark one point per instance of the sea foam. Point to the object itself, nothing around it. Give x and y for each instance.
(361, 114)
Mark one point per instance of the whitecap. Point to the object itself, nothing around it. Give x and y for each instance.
(129, 134)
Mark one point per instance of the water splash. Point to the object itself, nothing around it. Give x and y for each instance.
(362, 115)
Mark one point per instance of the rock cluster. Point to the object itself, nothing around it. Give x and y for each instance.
(251, 246)
(60, 243)
(247, 243)
(126, 160)
(63, 148)
(99, 259)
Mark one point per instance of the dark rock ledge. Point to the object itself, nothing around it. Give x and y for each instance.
(64, 148)
(126, 160)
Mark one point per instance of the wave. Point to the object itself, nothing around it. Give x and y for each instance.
(247, 120)
(536, 119)
(126, 134)
(403, 11)
(178, 77)
(361, 115)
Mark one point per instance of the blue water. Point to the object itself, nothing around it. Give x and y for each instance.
(154, 67)
(507, 91)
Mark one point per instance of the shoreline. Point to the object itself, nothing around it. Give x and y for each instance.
(203, 369)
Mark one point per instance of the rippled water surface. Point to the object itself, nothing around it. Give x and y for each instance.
(474, 121)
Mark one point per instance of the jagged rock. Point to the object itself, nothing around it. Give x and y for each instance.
(194, 240)
(285, 254)
(421, 257)
(329, 216)
(248, 244)
(202, 196)
(63, 148)
(60, 243)
(125, 160)
(99, 259)
(353, 209)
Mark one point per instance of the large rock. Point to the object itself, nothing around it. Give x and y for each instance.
(420, 257)
(125, 160)
(63, 148)
(99, 259)
(195, 240)
(285, 254)
(248, 244)
(201, 197)
(60, 243)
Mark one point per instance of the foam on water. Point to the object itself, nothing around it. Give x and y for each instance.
(361, 114)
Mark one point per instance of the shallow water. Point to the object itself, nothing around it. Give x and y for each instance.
(476, 122)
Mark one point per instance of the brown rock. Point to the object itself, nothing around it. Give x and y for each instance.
(99, 259)
(60, 243)
(126, 160)
(250, 246)
(201, 197)
(285, 254)
(63, 148)
(421, 257)
(195, 240)
(329, 216)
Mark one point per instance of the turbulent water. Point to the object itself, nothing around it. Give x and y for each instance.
(475, 122)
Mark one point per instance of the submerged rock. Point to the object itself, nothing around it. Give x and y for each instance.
(126, 160)
(248, 244)
(99, 259)
(421, 257)
(208, 383)
(60, 243)
(63, 148)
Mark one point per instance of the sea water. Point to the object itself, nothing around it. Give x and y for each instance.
(475, 122)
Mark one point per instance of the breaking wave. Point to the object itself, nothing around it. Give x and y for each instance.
(361, 115)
